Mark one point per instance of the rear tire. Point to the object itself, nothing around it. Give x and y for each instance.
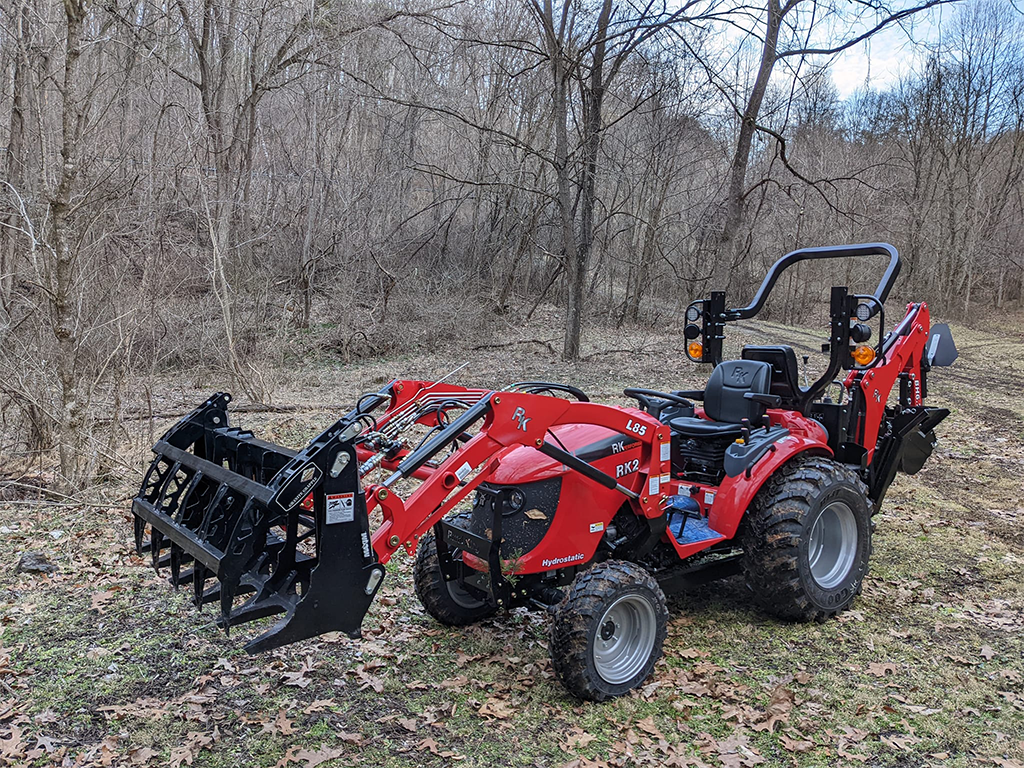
(807, 540)
(607, 633)
(446, 601)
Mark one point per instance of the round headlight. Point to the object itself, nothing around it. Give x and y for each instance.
(863, 312)
(516, 500)
(691, 331)
(692, 314)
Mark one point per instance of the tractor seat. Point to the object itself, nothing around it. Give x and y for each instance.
(782, 359)
(725, 401)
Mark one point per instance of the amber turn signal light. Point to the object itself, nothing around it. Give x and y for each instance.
(695, 350)
(863, 355)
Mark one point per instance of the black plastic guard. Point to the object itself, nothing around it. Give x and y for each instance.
(288, 528)
(906, 444)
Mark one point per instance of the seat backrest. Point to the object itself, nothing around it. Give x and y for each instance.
(724, 395)
(782, 359)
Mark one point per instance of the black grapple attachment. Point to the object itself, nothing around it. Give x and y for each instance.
(286, 530)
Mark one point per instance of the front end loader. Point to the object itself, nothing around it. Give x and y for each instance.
(534, 496)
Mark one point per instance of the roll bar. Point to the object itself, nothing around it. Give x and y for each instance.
(828, 252)
(842, 310)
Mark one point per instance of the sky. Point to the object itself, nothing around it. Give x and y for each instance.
(883, 58)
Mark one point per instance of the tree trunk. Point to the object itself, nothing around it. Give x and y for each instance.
(729, 239)
(577, 273)
(16, 153)
(71, 430)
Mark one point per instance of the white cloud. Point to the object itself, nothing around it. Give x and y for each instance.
(882, 59)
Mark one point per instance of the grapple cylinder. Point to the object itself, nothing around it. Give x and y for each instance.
(281, 531)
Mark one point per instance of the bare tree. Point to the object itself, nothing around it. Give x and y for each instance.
(787, 30)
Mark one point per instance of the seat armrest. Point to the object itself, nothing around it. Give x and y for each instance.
(771, 401)
(690, 394)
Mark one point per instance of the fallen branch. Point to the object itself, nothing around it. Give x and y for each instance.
(520, 341)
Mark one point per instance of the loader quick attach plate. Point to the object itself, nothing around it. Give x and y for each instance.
(288, 528)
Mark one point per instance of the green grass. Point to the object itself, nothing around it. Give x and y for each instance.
(927, 669)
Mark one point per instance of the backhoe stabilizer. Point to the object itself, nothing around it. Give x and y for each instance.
(285, 530)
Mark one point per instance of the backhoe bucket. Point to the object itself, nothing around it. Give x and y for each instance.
(287, 529)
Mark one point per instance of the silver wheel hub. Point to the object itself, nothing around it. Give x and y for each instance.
(832, 545)
(625, 639)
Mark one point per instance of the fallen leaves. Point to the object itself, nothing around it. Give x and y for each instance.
(795, 744)
(309, 758)
(735, 751)
(356, 739)
(431, 746)
(368, 680)
(575, 739)
(142, 755)
(495, 708)
(879, 669)
(194, 743)
(279, 725)
(300, 677)
(99, 601)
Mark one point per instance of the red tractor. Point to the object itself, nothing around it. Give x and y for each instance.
(534, 496)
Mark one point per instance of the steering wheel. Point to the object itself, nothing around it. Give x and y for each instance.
(644, 397)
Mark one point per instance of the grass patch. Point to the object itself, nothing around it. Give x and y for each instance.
(106, 662)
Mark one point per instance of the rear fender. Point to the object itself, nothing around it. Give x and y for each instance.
(735, 494)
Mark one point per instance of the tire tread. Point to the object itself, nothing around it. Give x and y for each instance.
(575, 620)
(774, 530)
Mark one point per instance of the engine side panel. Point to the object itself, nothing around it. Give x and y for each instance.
(570, 525)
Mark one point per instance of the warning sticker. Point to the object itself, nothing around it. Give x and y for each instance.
(709, 497)
(596, 527)
(653, 485)
(666, 451)
(341, 508)
(463, 472)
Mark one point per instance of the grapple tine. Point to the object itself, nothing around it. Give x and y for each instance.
(198, 585)
(156, 542)
(140, 531)
(227, 599)
(175, 565)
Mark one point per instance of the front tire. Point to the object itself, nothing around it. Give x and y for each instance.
(446, 601)
(607, 633)
(807, 540)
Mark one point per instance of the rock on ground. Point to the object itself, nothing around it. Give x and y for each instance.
(35, 562)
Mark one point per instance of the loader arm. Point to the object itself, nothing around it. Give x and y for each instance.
(510, 419)
(291, 529)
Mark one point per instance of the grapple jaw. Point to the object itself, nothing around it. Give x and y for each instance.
(286, 530)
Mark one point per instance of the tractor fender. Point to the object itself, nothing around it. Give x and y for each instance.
(736, 493)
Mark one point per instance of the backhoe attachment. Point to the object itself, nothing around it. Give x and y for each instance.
(220, 503)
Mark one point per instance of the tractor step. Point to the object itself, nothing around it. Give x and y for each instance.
(690, 530)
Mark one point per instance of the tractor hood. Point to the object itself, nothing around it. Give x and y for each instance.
(588, 442)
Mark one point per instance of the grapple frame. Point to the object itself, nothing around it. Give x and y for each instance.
(239, 509)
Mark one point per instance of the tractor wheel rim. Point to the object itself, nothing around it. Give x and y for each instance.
(832, 546)
(625, 638)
